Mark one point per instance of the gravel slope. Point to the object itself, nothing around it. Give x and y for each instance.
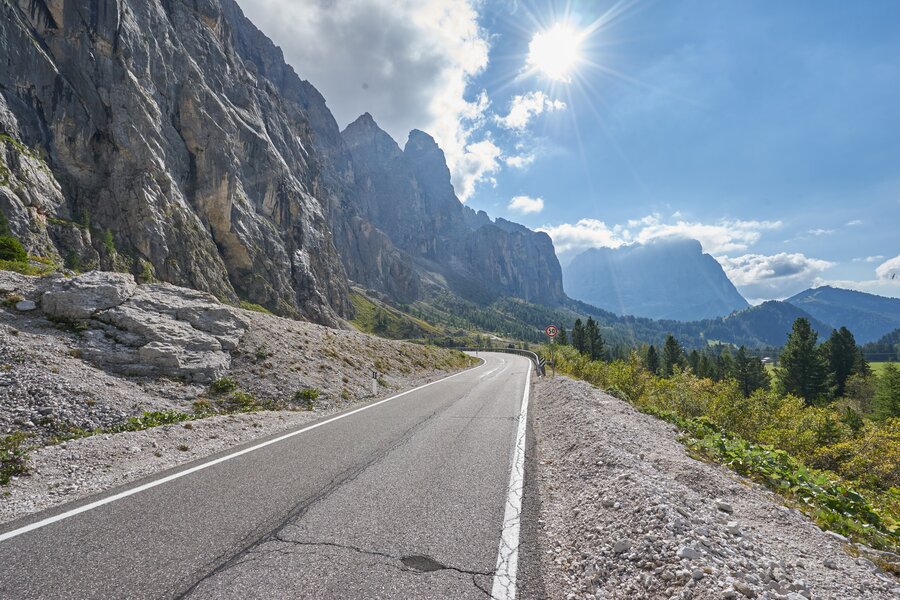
(626, 513)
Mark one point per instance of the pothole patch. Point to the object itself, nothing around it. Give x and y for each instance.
(426, 564)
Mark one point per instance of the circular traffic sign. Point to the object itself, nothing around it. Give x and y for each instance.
(551, 331)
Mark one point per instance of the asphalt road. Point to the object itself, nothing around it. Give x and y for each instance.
(404, 499)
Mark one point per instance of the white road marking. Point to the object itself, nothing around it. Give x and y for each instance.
(491, 372)
(504, 587)
(152, 484)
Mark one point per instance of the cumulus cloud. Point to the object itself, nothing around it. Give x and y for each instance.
(726, 235)
(720, 237)
(854, 223)
(776, 276)
(525, 107)
(869, 259)
(526, 204)
(586, 233)
(479, 162)
(889, 269)
(820, 232)
(407, 62)
(519, 161)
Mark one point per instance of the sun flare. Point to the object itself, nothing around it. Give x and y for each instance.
(555, 52)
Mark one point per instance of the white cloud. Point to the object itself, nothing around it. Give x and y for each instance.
(519, 161)
(586, 233)
(889, 269)
(526, 204)
(479, 162)
(720, 237)
(776, 276)
(820, 232)
(854, 223)
(407, 62)
(869, 259)
(525, 107)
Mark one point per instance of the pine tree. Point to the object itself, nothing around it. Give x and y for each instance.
(594, 346)
(672, 356)
(706, 368)
(843, 355)
(652, 361)
(886, 403)
(803, 370)
(578, 336)
(694, 362)
(561, 338)
(749, 372)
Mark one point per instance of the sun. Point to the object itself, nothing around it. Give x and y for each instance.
(555, 52)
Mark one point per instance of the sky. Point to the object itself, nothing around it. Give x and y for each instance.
(770, 133)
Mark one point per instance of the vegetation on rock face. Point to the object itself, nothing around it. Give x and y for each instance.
(837, 456)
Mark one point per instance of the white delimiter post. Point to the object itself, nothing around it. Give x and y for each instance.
(374, 383)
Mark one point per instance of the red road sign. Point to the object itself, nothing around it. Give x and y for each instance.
(551, 331)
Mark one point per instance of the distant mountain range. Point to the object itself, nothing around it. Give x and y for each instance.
(666, 279)
(868, 316)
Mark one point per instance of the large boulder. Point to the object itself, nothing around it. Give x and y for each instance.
(82, 296)
(152, 330)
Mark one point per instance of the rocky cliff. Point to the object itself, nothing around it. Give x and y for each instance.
(170, 139)
(408, 194)
(665, 279)
(152, 121)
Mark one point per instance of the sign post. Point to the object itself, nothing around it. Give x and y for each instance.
(551, 332)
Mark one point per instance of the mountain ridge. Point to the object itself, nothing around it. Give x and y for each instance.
(868, 316)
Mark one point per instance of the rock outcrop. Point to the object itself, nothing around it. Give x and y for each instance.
(153, 330)
(408, 194)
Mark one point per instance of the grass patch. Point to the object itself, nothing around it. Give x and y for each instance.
(388, 322)
(246, 305)
(13, 456)
(35, 265)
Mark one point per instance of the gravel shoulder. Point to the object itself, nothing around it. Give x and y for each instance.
(625, 512)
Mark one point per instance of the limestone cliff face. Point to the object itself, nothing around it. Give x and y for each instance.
(154, 120)
(170, 139)
(408, 195)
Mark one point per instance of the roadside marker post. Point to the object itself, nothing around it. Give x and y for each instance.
(374, 383)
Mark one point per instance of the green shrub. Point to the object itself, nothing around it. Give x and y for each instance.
(306, 397)
(13, 456)
(11, 249)
(223, 385)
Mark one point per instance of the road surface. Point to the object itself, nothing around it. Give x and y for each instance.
(404, 498)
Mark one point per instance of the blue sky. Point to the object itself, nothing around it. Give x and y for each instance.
(768, 132)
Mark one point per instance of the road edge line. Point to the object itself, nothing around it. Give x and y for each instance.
(136, 490)
(506, 573)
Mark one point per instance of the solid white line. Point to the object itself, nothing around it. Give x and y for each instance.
(504, 587)
(152, 484)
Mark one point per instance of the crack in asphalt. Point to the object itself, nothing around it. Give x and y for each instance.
(225, 562)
